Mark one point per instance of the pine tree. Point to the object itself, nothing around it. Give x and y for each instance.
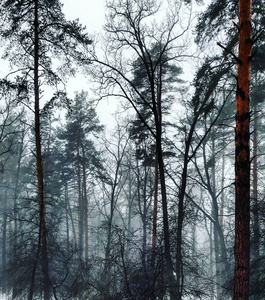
(35, 31)
(82, 125)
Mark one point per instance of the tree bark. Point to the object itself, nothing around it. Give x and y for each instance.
(107, 266)
(154, 228)
(221, 261)
(157, 113)
(144, 217)
(68, 212)
(4, 242)
(39, 164)
(85, 202)
(66, 217)
(215, 215)
(242, 164)
(173, 289)
(181, 214)
(80, 205)
(255, 209)
(129, 214)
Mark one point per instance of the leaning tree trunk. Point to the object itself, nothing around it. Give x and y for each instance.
(242, 164)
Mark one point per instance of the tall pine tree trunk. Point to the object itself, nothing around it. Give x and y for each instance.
(173, 289)
(242, 164)
(107, 265)
(85, 202)
(255, 209)
(16, 198)
(129, 211)
(17, 189)
(69, 213)
(66, 217)
(144, 217)
(155, 208)
(4, 242)
(39, 163)
(182, 191)
(157, 109)
(80, 206)
(215, 215)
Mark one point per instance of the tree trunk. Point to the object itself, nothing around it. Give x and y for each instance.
(144, 217)
(242, 164)
(69, 213)
(80, 207)
(4, 242)
(39, 165)
(215, 215)
(221, 216)
(66, 217)
(173, 289)
(129, 214)
(107, 266)
(85, 202)
(157, 110)
(255, 209)
(179, 262)
(212, 264)
(222, 266)
(16, 191)
(154, 229)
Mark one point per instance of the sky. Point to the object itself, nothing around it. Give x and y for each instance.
(92, 15)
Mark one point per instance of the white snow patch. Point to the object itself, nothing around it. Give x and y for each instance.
(4, 297)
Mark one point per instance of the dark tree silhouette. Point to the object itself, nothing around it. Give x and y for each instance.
(36, 30)
(242, 164)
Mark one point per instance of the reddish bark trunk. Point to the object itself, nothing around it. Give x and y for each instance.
(242, 165)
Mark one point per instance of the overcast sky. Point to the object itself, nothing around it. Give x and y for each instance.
(90, 13)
